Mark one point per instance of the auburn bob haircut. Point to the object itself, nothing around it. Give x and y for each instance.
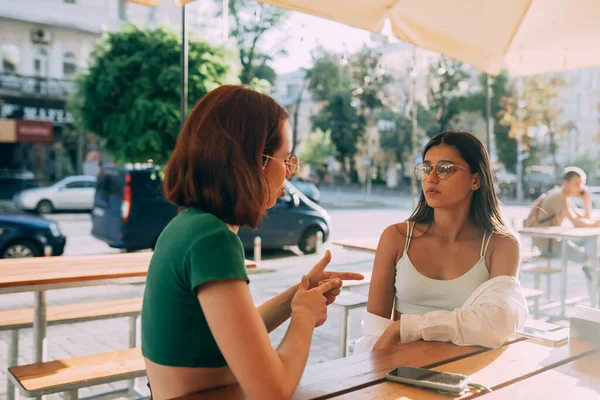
(217, 164)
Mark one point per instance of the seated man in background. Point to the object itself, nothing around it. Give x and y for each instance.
(551, 208)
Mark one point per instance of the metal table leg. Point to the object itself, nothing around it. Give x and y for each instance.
(594, 299)
(563, 287)
(13, 359)
(343, 332)
(39, 328)
(40, 347)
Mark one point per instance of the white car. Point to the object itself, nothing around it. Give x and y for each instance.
(72, 193)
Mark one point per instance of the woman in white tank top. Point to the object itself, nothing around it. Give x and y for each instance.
(454, 241)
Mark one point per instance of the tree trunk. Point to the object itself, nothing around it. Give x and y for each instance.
(297, 112)
(552, 138)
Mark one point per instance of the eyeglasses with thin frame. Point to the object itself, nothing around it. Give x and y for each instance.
(443, 170)
(291, 163)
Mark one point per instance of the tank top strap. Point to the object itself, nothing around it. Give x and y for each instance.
(485, 243)
(409, 233)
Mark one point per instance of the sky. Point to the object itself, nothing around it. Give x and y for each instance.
(306, 33)
(302, 33)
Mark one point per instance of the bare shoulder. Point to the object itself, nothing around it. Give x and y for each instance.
(390, 242)
(504, 255)
(394, 231)
(503, 243)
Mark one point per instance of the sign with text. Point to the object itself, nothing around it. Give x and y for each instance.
(34, 132)
(35, 110)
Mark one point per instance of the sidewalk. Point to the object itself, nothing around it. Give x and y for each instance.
(354, 198)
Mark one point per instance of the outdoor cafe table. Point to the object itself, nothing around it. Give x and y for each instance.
(563, 234)
(516, 363)
(46, 273)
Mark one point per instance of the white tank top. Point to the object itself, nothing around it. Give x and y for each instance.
(418, 294)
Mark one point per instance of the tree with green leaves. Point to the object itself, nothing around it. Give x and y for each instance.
(448, 84)
(317, 147)
(250, 22)
(352, 91)
(531, 107)
(506, 145)
(327, 76)
(341, 118)
(130, 96)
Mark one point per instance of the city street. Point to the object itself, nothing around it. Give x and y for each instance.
(278, 270)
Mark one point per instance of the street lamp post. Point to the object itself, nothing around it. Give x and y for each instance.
(413, 116)
(183, 97)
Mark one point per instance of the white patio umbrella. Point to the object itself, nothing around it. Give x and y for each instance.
(527, 36)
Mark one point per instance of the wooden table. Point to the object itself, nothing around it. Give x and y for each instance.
(563, 234)
(368, 245)
(45, 273)
(518, 362)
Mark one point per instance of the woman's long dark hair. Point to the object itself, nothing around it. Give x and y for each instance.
(485, 208)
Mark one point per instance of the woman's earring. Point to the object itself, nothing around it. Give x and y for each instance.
(474, 187)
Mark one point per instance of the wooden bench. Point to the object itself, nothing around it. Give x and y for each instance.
(538, 270)
(14, 320)
(69, 375)
(533, 294)
(347, 301)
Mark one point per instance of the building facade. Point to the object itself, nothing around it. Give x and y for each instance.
(44, 44)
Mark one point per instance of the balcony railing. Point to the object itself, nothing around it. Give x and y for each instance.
(36, 86)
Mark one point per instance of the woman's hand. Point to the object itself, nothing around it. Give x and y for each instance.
(389, 338)
(313, 301)
(317, 276)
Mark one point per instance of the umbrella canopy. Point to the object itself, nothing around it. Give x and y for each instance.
(526, 36)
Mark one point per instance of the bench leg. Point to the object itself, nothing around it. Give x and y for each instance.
(132, 344)
(71, 395)
(13, 359)
(343, 332)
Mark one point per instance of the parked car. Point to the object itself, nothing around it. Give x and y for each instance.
(130, 212)
(129, 209)
(294, 220)
(26, 235)
(72, 193)
(308, 188)
(12, 182)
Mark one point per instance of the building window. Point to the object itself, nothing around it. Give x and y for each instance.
(69, 64)
(11, 58)
(40, 63)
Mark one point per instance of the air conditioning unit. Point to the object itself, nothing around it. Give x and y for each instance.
(40, 35)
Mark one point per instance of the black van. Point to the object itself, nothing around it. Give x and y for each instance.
(130, 210)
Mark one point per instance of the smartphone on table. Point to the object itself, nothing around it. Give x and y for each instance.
(556, 338)
(427, 378)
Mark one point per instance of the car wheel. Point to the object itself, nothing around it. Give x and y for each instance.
(308, 241)
(21, 249)
(45, 207)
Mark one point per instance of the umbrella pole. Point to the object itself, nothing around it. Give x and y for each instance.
(184, 66)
